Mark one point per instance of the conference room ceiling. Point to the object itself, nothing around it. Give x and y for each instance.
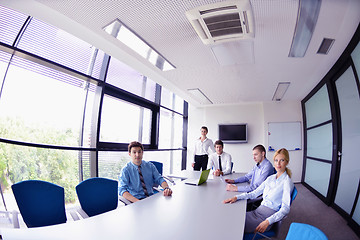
(164, 25)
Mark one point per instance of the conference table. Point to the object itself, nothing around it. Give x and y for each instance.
(192, 212)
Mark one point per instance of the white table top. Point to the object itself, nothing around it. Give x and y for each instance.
(193, 212)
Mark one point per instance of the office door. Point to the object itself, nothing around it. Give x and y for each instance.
(348, 93)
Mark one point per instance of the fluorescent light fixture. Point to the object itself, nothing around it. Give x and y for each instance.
(200, 96)
(307, 17)
(121, 32)
(280, 91)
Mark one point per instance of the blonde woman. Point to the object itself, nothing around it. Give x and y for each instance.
(276, 190)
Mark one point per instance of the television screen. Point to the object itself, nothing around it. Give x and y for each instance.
(233, 133)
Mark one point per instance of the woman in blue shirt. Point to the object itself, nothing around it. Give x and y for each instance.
(276, 190)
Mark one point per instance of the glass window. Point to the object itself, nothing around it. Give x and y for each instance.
(319, 142)
(124, 77)
(171, 129)
(123, 122)
(42, 105)
(171, 101)
(56, 45)
(318, 108)
(171, 160)
(318, 175)
(111, 163)
(355, 55)
(10, 24)
(356, 215)
(4, 62)
(56, 166)
(84, 164)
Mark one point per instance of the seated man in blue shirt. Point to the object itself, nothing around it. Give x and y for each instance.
(256, 176)
(138, 177)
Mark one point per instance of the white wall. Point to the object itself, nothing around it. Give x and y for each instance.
(285, 112)
(257, 116)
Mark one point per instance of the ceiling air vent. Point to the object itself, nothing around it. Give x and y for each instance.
(325, 46)
(224, 21)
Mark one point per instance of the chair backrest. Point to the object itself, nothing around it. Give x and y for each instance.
(159, 166)
(293, 195)
(302, 231)
(97, 195)
(40, 203)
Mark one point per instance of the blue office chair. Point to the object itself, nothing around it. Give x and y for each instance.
(302, 231)
(274, 230)
(97, 195)
(40, 203)
(159, 166)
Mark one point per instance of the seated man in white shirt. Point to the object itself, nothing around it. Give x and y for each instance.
(220, 160)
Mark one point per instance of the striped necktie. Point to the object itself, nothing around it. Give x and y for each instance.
(142, 182)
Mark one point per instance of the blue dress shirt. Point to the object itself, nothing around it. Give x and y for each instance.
(276, 195)
(130, 179)
(257, 176)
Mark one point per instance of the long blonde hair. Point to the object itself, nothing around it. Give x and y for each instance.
(284, 152)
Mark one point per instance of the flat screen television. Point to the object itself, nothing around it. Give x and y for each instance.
(233, 133)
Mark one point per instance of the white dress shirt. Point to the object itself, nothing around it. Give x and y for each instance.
(225, 162)
(276, 195)
(202, 147)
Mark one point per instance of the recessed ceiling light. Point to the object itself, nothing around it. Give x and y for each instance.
(305, 25)
(121, 32)
(199, 96)
(280, 91)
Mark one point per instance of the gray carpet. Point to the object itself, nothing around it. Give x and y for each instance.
(309, 209)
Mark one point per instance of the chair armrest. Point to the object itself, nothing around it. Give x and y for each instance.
(170, 180)
(82, 213)
(74, 216)
(15, 219)
(75, 211)
(124, 200)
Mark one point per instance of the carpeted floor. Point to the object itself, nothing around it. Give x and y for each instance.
(307, 208)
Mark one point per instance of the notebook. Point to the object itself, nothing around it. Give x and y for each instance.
(203, 177)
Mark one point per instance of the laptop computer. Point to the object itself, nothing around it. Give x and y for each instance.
(203, 177)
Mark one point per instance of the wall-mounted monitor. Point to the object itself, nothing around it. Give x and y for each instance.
(233, 133)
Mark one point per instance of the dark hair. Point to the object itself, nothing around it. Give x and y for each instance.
(135, 144)
(261, 148)
(219, 142)
(203, 127)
